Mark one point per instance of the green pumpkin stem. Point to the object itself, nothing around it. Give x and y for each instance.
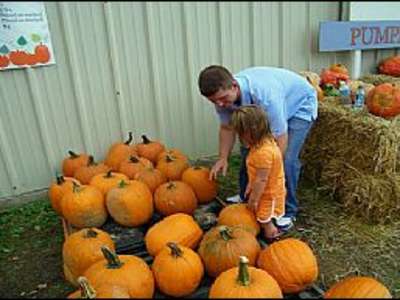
(72, 154)
(145, 139)
(90, 233)
(243, 277)
(87, 291)
(175, 250)
(225, 233)
(113, 261)
(122, 184)
(130, 138)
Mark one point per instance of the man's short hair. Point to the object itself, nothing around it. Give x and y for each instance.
(214, 77)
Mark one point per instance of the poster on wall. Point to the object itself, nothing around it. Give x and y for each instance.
(24, 36)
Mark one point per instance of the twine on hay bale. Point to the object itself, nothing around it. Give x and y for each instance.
(355, 156)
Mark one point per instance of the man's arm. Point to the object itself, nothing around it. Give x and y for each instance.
(282, 142)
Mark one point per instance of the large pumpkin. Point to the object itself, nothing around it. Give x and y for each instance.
(119, 152)
(222, 246)
(172, 166)
(198, 178)
(153, 178)
(70, 164)
(58, 189)
(245, 282)
(178, 228)
(177, 270)
(175, 197)
(130, 203)
(85, 173)
(384, 100)
(84, 207)
(239, 215)
(357, 287)
(107, 181)
(129, 272)
(83, 248)
(390, 66)
(133, 165)
(291, 262)
(86, 291)
(150, 149)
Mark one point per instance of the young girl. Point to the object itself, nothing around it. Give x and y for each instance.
(266, 188)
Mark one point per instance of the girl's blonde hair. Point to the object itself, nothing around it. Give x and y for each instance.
(252, 121)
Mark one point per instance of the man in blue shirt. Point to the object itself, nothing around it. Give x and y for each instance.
(291, 105)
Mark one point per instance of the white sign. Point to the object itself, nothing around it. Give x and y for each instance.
(24, 36)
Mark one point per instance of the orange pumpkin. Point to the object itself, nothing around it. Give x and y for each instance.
(83, 248)
(58, 189)
(172, 167)
(31, 59)
(18, 57)
(178, 228)
(130, 203)
(359, 287)
(107, 181)
(331, 77)
(133, 165)
(384, 100)
(222, 246)
(149, 149)
(42, 53)
(245, 282)
(390, 66)
(86, 291)
(119, 152)
(153, 178)
(73, 162)
(129, 272)
(84, 207)
(239, 215)
(175, 197)
(85, 173)
(198, 178)
(177, 270)
(291, 262)
(4, 61)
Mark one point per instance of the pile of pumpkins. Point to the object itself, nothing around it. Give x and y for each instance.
(132, 182)
(382, 100)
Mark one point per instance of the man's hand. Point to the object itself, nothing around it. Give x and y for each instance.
(220, 165)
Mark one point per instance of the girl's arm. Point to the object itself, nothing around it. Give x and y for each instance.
(257, 188)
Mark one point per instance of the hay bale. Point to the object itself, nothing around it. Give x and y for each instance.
(377, 79)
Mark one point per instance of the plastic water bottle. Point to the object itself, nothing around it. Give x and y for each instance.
(360, 98)
(344, 90)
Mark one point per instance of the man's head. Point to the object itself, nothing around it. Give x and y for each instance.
(217, 84)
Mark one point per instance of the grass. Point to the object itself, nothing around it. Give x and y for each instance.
(31, 238)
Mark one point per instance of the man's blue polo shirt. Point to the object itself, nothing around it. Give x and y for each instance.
(282, 94)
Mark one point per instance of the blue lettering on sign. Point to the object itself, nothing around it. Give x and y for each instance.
(354, 35)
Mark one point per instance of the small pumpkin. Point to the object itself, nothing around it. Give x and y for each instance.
(83, 248)
(222, 246)
(175, 197)
(153, 178)
(4, 61)
(239, 215)
(106, 181)
(390, 66)
(291, 262)
(384, 100)
(86, 291)
(177, 270)
(178, 228)
(18, 57)
(198, 178)
(119, 152)
(129, 272)
(359, 287)
(245, 282)
(73, 162)
(84, 207)
(130, 203)
(133, 165)
(58, 189)
(339, 68)
(150, 149)
(42, 53)
(85, 173)
(172, 167)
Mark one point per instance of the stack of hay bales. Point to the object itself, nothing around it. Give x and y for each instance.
(355, 156)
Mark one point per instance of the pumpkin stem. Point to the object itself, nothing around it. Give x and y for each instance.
(169, 158)
(76, 188)
(72, 154)
(243, 276)
(87, 291)
(109, 174)
(175, 250)
(91, 160)
(90, 233)
(145, 139)
(122, 184)
(113, 261)
(225, 233)
(130, 138)
(171, 185)
(134, 159)
(60, 179)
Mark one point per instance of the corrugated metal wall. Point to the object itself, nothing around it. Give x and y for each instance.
(133, 66)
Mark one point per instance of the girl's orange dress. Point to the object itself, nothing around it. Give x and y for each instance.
(272, 202)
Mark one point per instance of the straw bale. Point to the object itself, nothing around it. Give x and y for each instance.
(377, 79)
